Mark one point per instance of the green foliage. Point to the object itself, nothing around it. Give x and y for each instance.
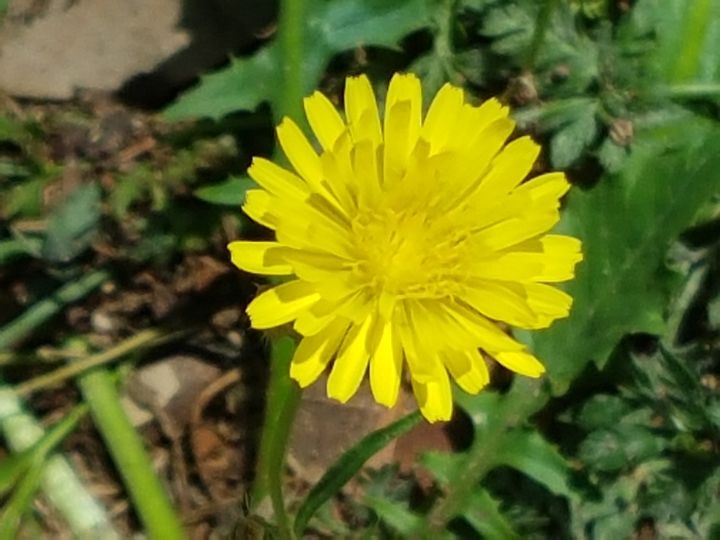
(73, 224)
(330, 27)
(347, 466)
(22, 473)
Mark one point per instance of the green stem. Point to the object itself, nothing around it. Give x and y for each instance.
(282, 402)
(283, 394)
(23, 326)
(692, 90)
(541, 26)
(291, 38)
(126, 448)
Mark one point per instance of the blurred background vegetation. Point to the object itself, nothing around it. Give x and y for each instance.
(117, 298)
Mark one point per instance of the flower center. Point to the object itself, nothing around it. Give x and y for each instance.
(407, 253)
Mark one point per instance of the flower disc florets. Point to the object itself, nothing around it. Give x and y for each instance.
(407, 242)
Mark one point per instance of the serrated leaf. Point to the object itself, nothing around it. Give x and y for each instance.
(568, 144)
(72, 225)
(602, 411)
(347, 466)
(231, 192)
(612, 156)
(529, 453)
(627, 223)
(484, 516)
(622, 446)
(395, 514)
(330, 27)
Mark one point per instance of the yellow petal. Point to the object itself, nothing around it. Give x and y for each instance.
(510, 167)
(361, 110)
(441, 119)
(489, 336)
(259, 258)
(434, 397)
(521, 362)
(281, 304)
(257, 206)
(386, 366)
(469, 370)
(403, 111)
(300, 153)
(351, 363)
(547, 300)
(278, 181)
(500, 302)
(314, 353)
(324, 119)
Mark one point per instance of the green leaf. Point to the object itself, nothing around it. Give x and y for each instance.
(483, 513)
(12, 468)
(31, 463)
(627, 223)
(395, 514)
(72, 225)
(622, 446)
(612, 156)
(602, 411)
(529, 453)
(348, 465)
(230, 192)
(568, 144)
(331, 26)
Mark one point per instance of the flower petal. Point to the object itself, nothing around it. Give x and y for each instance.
(259, 258)
(521, 362)
(323, 119)
(403, 110)
(361, 110)
(468, 369)
(441, 119)
(278, 181)
(281, 304)
(434, 397)
(386, 365)
(351, 363)
(300, 153)
(314, 353)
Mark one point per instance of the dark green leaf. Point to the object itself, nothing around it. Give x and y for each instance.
(395, 514)
(620, 447)
(568, 144)
(72, 225)
(231, 192)
(483, 513)
(348, 465)
(627, 223)
(612, 156)
(330, 27)
(602, 411)
(529, 453)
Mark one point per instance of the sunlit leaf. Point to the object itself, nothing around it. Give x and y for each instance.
(330, 27)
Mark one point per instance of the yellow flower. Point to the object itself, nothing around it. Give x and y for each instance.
(407, 239)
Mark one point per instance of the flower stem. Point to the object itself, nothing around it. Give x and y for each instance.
(282, 401)
(283, 393)
(147, 493)
(291, 38)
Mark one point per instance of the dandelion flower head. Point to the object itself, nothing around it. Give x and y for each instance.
(406, 240)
